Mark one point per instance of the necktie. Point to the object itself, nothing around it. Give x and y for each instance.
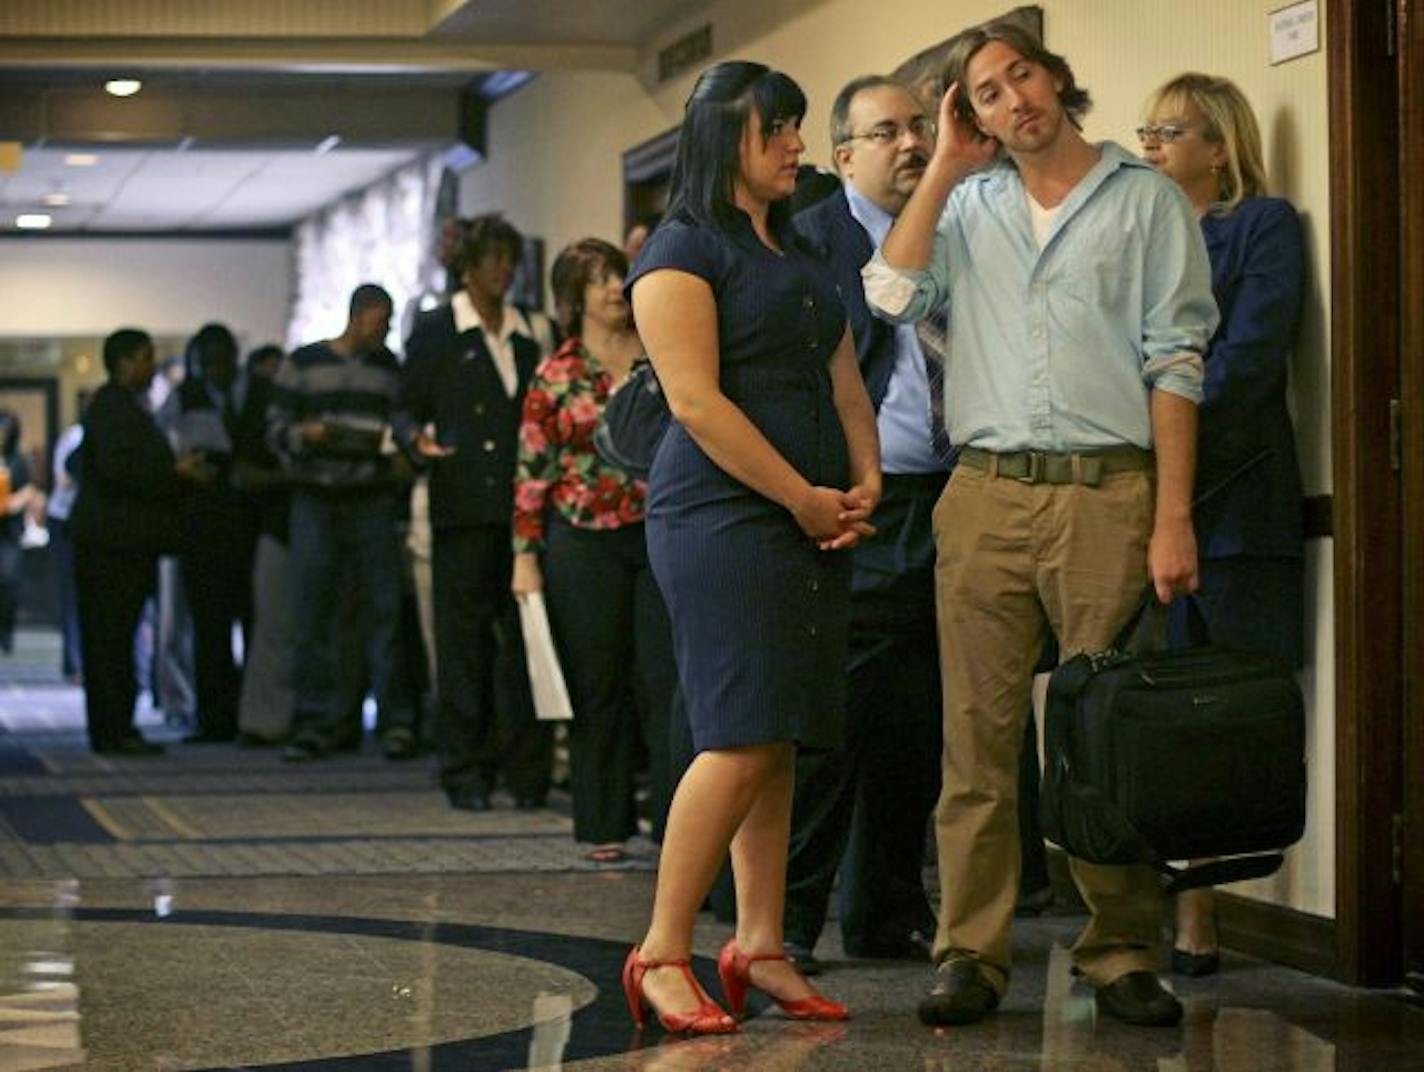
(933, 333)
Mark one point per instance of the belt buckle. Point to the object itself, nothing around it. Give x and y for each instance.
(1034, 473)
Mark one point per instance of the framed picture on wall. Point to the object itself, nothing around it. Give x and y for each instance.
(924, 71)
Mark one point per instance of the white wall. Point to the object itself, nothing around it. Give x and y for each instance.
(555, 163)
(88, 287)
(555, 170)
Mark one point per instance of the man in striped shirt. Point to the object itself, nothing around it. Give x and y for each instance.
(329, 422)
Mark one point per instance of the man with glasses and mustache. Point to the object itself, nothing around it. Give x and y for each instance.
(1078, 293)
(869, 802)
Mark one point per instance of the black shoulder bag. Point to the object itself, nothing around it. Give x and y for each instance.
(634, 421)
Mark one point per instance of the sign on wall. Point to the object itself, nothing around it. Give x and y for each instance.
(1295, 31)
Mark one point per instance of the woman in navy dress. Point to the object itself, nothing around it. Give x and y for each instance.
(1201, 132)
(766, 477)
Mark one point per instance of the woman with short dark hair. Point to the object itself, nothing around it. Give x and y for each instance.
(766, 477)
(578, 532)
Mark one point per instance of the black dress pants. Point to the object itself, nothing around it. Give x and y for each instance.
(615, 647)
(112, 586)
(486, 712)
(218, 583)
(11, 561)
(863, 809)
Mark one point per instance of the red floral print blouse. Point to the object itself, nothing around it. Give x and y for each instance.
(557, 465)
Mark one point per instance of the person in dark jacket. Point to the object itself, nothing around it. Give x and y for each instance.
(218, 528)
(468, 365)
(862, 808)
(131, 488)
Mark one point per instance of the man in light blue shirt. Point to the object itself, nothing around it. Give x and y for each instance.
(1079, 300)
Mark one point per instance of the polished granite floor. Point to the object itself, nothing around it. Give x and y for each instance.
(214, 909)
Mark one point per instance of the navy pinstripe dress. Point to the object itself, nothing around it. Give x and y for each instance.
(760, 615)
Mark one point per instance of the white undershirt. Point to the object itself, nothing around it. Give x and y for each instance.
(1042, 219)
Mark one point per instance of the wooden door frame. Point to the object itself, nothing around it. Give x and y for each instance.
(1366, 340)
(1411, 436)
(46, 384)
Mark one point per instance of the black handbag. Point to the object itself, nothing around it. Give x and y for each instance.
(634, 421)
(1155, 755)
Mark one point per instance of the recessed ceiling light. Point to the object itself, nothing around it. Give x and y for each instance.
(123, 87)
(56, 200)
(81, 159)
(32, 221)
(327, 144)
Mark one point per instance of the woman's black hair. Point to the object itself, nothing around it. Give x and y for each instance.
(209, 340)
(709, 147)
(483, 235)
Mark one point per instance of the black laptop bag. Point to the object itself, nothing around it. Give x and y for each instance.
(1155, 755)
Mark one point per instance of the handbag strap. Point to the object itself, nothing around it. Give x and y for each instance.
(1146, 630)
(1219, 872)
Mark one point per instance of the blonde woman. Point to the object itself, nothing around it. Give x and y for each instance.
(1200, 131)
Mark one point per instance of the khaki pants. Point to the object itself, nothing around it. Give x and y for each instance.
(1014, 559)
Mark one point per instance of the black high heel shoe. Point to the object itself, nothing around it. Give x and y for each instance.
(1195, 965)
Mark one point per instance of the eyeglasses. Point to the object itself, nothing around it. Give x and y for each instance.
(921, 128)
(1162, 132)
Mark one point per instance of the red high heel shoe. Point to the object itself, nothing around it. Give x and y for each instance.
(734, 968)
(707, 1019)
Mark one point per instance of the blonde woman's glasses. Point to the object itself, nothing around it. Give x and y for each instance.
(1161, 132)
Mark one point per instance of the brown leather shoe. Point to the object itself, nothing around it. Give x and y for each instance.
(1139, 998)
(961, 994)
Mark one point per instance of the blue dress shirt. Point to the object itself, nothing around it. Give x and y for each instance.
(1057, 349)
(904, 417)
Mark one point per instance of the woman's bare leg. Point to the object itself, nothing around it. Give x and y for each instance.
(711, 802)
(759, 851)
(1196, 921)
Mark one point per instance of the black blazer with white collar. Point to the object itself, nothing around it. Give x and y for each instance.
(450, 380)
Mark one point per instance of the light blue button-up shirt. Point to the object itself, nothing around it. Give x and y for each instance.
(1057, 349)
(904, 417)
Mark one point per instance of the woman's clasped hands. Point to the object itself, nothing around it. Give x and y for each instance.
(835, 519)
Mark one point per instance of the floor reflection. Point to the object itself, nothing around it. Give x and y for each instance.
(784, 1047)
(39, 995)
(552, 1016)
(171, 982)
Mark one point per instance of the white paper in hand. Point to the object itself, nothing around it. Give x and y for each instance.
(546, 677)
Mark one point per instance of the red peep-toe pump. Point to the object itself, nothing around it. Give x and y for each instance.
(707, 1019)
(734, 968)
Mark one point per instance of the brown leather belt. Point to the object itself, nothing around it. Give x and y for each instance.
(1036, 467)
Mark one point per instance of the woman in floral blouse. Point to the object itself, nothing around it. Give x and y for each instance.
(578, 536)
